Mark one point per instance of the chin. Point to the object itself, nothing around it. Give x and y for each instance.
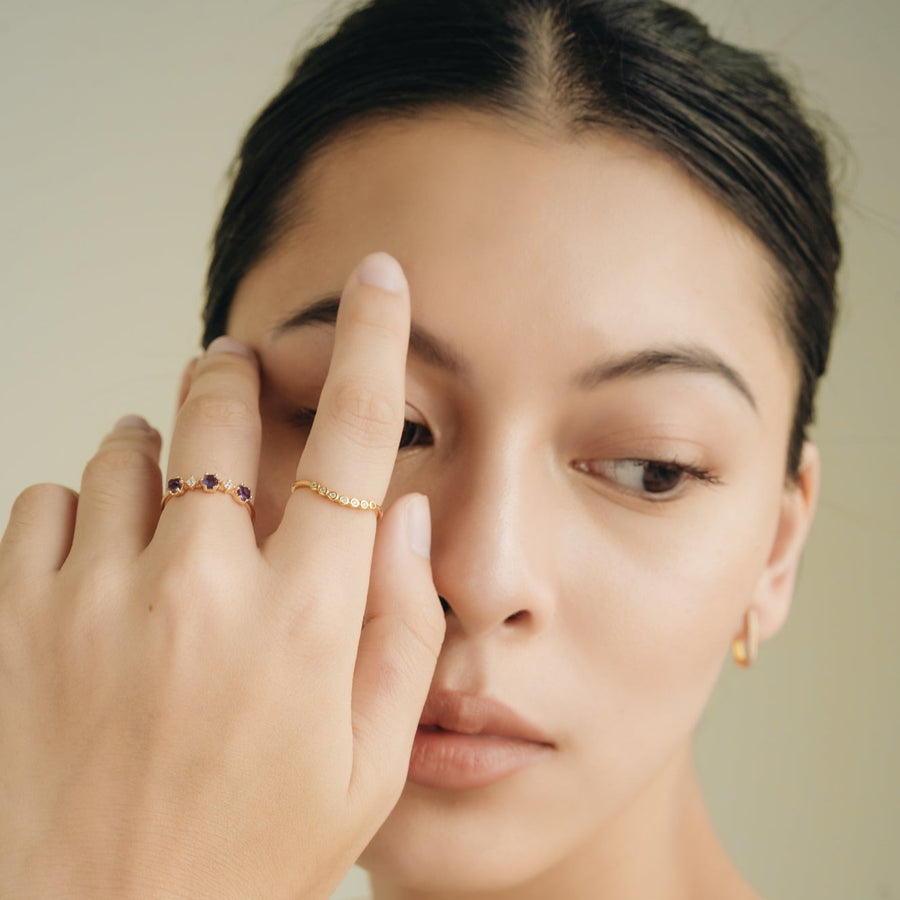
(467, 841)
(486, 868)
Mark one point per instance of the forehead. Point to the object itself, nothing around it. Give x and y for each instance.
(570, 248)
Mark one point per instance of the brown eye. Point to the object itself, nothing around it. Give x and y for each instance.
(658, 478)
(649, 477)
(642, 475)
(414, 434)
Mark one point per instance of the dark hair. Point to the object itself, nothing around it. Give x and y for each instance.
(642, 67)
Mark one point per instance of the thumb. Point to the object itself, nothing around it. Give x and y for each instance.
(398, 648)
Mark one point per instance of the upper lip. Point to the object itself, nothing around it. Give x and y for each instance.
(477, 714)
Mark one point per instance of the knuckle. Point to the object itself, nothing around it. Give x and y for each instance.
(132, 436)
(200, 575)
(191, 607)
(93, 587)
(367, 414)
(190, 579)
(38, 500)
(117, 460)
(427, 636)
(231, 362)
(218, 411)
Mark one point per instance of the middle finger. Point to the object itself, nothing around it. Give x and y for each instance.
(352, 446)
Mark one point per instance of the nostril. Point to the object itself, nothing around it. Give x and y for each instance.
(516, 616)
(445, 606)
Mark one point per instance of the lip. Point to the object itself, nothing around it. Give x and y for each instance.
(467, 741)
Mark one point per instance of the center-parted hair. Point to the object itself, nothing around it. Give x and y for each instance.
(643, 68)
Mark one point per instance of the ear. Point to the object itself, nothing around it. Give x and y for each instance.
(775, 589)
(187, 377)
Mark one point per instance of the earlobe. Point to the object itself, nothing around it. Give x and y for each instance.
(187, 376)
(775, 589)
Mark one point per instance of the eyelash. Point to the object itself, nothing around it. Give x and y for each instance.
(303, 418)
(683, 470)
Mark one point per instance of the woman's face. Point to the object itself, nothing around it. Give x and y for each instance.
(588, 309)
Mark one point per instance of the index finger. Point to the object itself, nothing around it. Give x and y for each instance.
(352, 446)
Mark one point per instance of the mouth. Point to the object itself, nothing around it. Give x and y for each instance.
(462, 713)
(466, 741)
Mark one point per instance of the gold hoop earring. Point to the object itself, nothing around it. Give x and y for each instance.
(745, 647)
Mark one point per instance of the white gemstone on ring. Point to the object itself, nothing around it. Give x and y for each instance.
(338, 497)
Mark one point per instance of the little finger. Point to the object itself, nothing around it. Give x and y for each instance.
(118, 507)
(38, 536)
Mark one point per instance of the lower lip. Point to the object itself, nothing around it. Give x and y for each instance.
(453, 761)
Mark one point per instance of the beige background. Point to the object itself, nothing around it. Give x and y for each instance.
(119, 119)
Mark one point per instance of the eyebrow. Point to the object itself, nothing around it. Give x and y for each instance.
(426, 346)
(435, 352)
(680, 357)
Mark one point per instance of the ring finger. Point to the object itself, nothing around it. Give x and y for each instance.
(215, 445)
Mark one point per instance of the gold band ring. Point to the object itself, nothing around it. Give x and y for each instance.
(210, 484)
(337, 497)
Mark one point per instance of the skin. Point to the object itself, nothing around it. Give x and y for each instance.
(600, 614)
(185, 712)
(232, 708)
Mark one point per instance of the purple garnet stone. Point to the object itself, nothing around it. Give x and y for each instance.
(175, 486)
(243, 493)
(209, 482)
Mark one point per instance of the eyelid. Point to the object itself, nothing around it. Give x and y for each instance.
(413, 415)
(690, 472)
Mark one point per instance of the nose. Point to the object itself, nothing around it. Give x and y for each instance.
(491, 555)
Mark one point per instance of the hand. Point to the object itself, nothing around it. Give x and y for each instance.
(184, 713)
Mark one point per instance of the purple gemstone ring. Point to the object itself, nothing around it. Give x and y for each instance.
(210, 484)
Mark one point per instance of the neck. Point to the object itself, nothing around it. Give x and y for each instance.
(662, 846)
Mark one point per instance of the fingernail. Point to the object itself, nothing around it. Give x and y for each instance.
(226, 344)
(418, 524)
(382, 270)
(132, 422)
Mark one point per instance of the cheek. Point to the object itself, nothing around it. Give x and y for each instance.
(650, 618)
